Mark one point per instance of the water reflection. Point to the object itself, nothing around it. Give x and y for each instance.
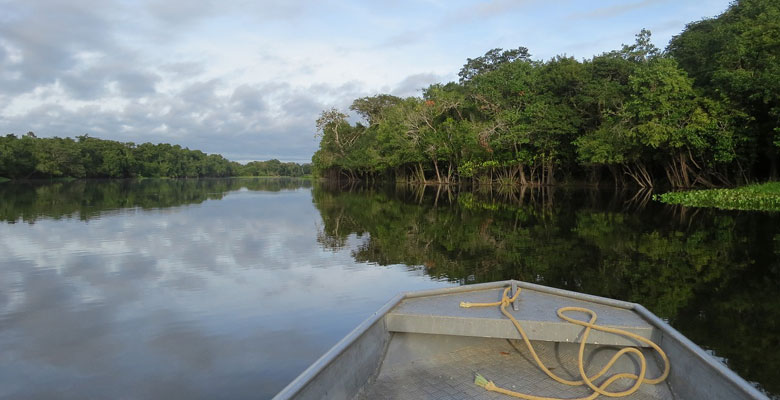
(714, 275)
(231, 287)
(194, 297)
(30, 201)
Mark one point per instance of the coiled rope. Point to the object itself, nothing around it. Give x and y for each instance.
(599, 390)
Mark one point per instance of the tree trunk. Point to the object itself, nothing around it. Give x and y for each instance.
(773, 167)
(550, 173)
(684, 169)
(421, 172)
(436, 166)
(523, 181)
(613, 171)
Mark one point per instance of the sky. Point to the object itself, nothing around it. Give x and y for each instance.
(248, 78)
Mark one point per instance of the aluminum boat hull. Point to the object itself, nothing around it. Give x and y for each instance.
(423, 345)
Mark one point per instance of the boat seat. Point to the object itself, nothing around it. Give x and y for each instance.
(536, 312)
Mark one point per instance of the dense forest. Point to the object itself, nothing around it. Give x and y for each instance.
(704, 112)
(29, 157)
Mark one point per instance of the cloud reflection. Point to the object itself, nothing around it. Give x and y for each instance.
(230, 297)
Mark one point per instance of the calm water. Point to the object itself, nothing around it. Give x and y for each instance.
(230, 288)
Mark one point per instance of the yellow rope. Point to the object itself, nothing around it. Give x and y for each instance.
(586, 380)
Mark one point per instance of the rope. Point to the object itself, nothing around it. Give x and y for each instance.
(585, 379)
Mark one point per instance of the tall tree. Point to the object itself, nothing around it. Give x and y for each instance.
(491, 61)
(736, 57)
(373, 108)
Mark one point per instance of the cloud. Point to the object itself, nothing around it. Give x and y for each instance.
(49, 36)
(612, 11)
(405, 38)
(177, 13)
(199, 96)
(183, 69)
(244, 122)
(247, 79)
(72, 68)
(455, 19)
(301, 105)
(109, 79)
(484, 10)
(248, 100)
(413, 84)
(134, 83)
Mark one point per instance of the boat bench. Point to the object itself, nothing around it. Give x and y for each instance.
(536, 313)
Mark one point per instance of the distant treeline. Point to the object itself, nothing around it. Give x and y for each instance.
(704, 112)
(29, 157)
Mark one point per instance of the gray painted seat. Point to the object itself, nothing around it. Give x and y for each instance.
(442, 315)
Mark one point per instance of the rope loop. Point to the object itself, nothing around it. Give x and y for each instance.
(585, 380)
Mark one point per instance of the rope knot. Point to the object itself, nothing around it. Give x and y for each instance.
(506, 300)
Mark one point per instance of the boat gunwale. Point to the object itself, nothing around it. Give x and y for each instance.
(699, 353)
(342, 345)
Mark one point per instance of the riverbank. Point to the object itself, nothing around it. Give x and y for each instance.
(758, 197)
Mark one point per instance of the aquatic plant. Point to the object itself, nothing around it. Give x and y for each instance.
(759, 197)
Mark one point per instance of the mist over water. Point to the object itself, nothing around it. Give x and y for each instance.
(231, 287)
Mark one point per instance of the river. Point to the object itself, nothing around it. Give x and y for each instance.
(231, 287)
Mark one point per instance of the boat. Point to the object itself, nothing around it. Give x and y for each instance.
(514, 339)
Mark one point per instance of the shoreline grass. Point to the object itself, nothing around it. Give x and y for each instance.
(757, 197)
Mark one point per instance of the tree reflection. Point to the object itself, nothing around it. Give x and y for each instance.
(713, 275)
(87, 199)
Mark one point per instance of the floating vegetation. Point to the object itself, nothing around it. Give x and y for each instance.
(760, 197)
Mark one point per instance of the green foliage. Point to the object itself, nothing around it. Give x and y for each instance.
(373, 108)
(703, 114)
(273, 168)
(760, 197)
(492, 60)
(88, 157)
(736, 57)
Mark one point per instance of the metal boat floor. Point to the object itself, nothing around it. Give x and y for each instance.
(420, 367)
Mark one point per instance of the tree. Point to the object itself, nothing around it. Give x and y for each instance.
(491, 61)
(734, 58)
(642, 50)
(633, 112)
(373, 108)
(337, 139)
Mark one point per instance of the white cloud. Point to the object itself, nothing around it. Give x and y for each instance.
(257, 74)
